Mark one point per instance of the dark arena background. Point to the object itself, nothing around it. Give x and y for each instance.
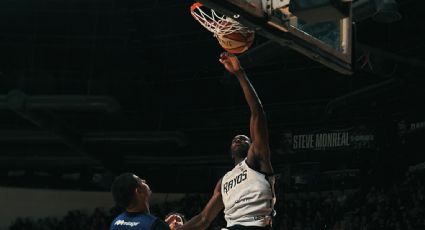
(93, 88)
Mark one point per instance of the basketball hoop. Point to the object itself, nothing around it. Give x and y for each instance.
(218, 24)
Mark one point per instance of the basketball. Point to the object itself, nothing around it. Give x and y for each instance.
(237, 42)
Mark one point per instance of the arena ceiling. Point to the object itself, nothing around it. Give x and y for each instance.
(104, 86)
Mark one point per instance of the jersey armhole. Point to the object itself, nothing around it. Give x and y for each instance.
(265, 174)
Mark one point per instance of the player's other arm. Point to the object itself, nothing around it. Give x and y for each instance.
(208, 214)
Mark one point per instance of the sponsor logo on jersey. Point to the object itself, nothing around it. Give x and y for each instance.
(265, 219)
(122, 222)
(242, 200)
(259, 217)
(235, 181)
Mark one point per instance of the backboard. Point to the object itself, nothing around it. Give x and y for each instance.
(319, 29)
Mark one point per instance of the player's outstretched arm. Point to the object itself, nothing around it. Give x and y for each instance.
(208, 214)
(259, 152)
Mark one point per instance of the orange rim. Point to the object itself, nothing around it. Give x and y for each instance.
(195, 5)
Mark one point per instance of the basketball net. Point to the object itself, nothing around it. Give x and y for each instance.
(219, 25)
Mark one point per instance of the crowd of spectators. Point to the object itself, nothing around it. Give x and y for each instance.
(399, 206)
(99, 219)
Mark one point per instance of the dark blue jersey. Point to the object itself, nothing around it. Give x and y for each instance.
(138, 221)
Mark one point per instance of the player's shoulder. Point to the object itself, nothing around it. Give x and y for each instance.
(118, 221)
(226, 175)
(159, 224)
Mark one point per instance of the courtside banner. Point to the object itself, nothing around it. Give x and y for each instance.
(359, 137)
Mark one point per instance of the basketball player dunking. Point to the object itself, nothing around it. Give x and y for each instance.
(247, 191)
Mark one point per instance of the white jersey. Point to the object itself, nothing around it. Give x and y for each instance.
(248, 196)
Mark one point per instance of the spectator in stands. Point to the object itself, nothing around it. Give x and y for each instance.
(285, 143)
